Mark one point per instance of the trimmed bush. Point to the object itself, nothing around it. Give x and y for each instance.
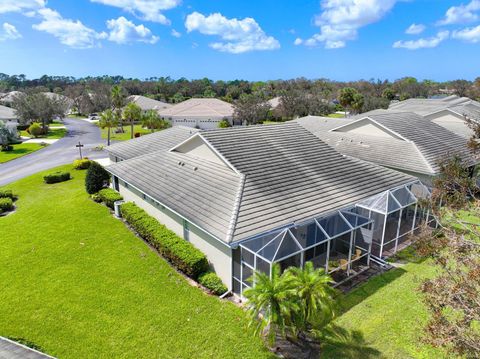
(56, 177)
(212, 282)
(7, 193)
(6, 204)
(6, 148)
(96, 198)
(35, 129)
(82, 164)
(179, 252)
(109, 196)
(97, 178)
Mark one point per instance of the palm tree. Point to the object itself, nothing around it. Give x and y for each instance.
(117, 97)
(108, 119)
(132, 113)
(269, 304)
(151, 120)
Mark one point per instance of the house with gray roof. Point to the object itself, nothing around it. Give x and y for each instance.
(146, 103)
(403, 141)
(201, 113)
(449, 112)
(252, 196)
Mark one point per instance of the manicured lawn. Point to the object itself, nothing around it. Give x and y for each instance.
(19, 150)
(336, 115)
(77, 283)
(53, 133)
(388, 314)
(126, 135)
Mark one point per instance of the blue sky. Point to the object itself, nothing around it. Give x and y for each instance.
(254, 40)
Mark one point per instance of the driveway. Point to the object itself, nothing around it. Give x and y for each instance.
(59, 153)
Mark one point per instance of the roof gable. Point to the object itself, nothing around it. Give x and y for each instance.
(366, 126)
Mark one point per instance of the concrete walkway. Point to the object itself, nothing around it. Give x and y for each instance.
(59, 153)
(13, 350)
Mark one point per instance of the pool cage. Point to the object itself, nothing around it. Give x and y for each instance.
(396, 214)
(339, 243)
(342, 243)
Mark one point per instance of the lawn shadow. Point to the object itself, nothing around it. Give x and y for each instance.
(342, 343)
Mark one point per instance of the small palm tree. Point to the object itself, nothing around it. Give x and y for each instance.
(108, 119)
(132, 113)
(269, 304)
(117, 96)
(152, 120)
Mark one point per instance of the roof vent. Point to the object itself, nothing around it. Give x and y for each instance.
(195, 168)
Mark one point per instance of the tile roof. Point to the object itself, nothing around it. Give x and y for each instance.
(199, 107)
(7, 113)
(146, 103)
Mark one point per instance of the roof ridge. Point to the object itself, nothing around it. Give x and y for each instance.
(236, 209)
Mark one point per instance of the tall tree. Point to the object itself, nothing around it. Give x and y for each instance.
(108, 119)
(347, 97)
(251, 109)
(132, 113)
(152, 120)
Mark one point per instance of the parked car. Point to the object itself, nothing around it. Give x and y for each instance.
(93, 117)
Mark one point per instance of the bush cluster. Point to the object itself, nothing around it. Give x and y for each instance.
(97, 178)
(56, 177)
(179, 252)
(7, 193)
(35, 129)
(212, 282)
(109, 196)
(6, 148)
(6, 204)
(82, 164)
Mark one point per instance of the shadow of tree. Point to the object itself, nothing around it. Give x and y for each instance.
(27, 343)
(342, 343)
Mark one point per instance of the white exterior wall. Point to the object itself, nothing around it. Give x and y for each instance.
(367, 127)
(219, 255)
(451, 122)
(198, 122)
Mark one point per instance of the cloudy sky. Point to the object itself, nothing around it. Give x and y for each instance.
(230, 39)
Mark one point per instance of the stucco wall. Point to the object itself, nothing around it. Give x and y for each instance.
(367, 127)
(218, 254)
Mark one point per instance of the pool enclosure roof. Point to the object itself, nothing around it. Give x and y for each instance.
(274, 247)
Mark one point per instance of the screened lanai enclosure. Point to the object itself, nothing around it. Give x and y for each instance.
(343, 243)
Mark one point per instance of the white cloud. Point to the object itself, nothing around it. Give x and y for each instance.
(238, 35)
(175, 33)
(20, 5)
(340, 20)
(469, 34)
(149, 10)
(461, 14)
(423, 43)
(415, 29)
(70, 32)
(123, 31)
(9, 32)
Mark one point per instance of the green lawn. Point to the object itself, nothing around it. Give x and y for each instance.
(126, 135)
(19, 150)
(53, 133)
(388, 313)
(77, 283)
(337, 115)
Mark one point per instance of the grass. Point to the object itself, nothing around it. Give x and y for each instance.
(386, 315)
(337, 115)
(78, 284)
(126, 135)
(19, 150)
(53, 133)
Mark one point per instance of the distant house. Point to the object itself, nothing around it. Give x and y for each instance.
(252, 196)
(68, 101)
(449, 112)
(8, 117)
(404, 141)
(146, 103)
(7, 99)
(202, 113)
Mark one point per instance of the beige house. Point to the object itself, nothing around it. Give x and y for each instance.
(146, 103)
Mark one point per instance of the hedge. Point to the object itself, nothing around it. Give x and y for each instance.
(109, 196)
(180, 253)
(56, 177)
(6, 193)
(212, 282)
(6, 204)
(82, 164)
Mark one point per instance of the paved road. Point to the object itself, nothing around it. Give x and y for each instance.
(61, 152)
(12, 350)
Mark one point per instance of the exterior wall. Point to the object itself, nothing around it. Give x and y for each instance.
(451, 122)
(197, 122)
(218, 254)
(198, 148)
(367, 128)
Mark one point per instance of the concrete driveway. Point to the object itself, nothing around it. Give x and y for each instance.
(59, 153)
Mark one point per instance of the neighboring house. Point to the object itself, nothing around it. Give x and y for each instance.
(146, 103)
(9, 120)
(449, 112)
(7, 99)
(202, 113)
(252, 196)
(403, 141)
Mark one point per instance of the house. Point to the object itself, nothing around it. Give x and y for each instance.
(8, 117)
(403, 141)
(252, 196)
(146, 103)
(202, 113)
(7, 99)
(449, 112)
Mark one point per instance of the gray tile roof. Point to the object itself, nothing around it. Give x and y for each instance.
(427, 106)
(281, 174)
(161, 140)
(7, 113)
(426, 142)
(146, 103)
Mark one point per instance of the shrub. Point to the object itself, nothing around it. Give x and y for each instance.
(109, 196)
(212, 282)
(96, 197)
(56, 177)
(6, 148)
(224, 123)
(137, 134)
(6, 193)
(82, 164)
(179, 252)
(6, 204)
(35, 129)
(97, 178)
